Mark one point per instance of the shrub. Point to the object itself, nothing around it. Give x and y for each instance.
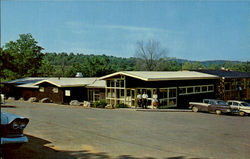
(122, 105)
(99, 104)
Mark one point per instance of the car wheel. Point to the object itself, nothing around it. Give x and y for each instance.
(195, 109)
(218, 112)
(242, 113)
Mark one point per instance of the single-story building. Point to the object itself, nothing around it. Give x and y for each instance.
(58, 90)
(22, 87)
(174, 89)
(232, 84)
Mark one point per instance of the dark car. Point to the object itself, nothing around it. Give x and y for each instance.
(12, 127)
(211, 105)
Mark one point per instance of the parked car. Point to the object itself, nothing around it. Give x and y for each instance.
(239, 107)
(12, 127)
(210, 105)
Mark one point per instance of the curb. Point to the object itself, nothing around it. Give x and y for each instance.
(164, 110)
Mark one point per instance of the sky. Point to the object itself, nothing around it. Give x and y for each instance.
(192, 30)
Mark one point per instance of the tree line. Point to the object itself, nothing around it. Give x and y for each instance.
(24, 58)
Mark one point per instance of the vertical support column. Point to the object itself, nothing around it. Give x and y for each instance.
(168, 97)
(115, 93)
(93, 94)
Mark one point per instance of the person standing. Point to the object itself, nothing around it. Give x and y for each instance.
(144, 99)
(155, 99)
(139, 99)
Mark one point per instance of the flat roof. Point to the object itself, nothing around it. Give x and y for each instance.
(97, 84)
(25, 80)
(163, 75)
(227, 73)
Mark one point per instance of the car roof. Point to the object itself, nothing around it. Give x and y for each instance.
(214, 99)
(236, 101)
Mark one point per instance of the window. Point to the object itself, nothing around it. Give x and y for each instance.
(55, 90)
(108, 83)
(212, 102)
(245, 104)
(197, 89)
(235, 104)
(108, 93)
(190, 90)
(41, 89)
(112, 83)
(172, 102)
(67, 93)
(204, 88)
(128, 92)
(122, 92)
(118, 83)
(182, 91)
(167, 97)
(210, 88)
(172, 93)
(122, 83)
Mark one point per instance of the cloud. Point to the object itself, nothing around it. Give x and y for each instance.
(118, 40)
(80, 25)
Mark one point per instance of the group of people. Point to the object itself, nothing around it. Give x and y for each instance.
(142, 99)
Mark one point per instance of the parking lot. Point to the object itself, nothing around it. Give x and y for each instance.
(62, 131)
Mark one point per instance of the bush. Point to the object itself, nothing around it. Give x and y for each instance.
(122, 105)
(100, 104)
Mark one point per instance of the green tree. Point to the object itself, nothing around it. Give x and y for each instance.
(46, 69)
(25, 54)
(214, 67)
(192, 66)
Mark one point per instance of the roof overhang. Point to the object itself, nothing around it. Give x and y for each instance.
(160, 79)
(58, 85)
(124, 74)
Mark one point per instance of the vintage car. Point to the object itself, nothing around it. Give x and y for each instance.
(239, 107)
(211, 105)
(12, 127)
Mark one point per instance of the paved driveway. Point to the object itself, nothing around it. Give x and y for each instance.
(59, 131)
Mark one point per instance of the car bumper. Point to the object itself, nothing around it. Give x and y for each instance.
(16, 140)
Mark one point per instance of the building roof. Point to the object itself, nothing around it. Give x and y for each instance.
(227, 73)
(33, 82)
(162, 76)
(29, 85)
(26, 80)
(97, 84)
(68, 82)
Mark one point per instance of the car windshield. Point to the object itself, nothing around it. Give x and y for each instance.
(220, 102)
(245, 104)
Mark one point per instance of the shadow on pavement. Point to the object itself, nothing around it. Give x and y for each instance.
(7, 106)
(35, 149)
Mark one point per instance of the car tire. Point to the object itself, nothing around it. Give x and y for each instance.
(242, 113)
(218, 112)
(195, 109)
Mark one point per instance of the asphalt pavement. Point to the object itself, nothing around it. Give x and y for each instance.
(63, 131)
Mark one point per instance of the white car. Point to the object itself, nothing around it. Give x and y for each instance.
(240, 107)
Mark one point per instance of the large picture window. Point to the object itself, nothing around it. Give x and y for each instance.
(115, 90)
(168, 97)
